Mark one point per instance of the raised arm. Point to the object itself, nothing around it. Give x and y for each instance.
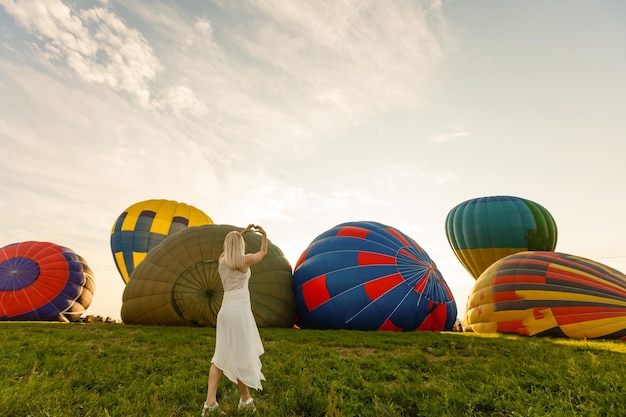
(252, 258)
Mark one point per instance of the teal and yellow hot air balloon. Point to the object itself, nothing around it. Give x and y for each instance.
(144, 225)
(484, 230)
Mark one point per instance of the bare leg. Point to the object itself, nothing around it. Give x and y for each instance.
(214, 378)
(243, 390)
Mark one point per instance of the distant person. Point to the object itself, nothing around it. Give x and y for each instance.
(238, 344)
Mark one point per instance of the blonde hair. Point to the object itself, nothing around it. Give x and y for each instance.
(234, 249)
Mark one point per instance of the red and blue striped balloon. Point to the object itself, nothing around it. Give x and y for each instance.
(43, 281)
(368, 276)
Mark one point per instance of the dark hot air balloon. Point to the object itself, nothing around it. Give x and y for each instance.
(178, 282)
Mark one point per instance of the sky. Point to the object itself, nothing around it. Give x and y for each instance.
(301, 115)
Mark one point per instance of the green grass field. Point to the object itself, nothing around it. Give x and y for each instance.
(53, 369)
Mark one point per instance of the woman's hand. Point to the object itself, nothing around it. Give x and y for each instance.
(249, 228)
(253, 228)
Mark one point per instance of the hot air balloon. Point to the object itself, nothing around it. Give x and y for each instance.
(43, 281)
(144, 225)
(178, 283)
(538, 293)
(483, 230)
(368, 276)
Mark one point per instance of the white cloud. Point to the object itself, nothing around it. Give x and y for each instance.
(102, 49)
(182, 100)
(445, 178)
(337, 63)
(446, 137)
(95, 43)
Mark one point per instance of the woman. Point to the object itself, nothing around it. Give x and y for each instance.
(237, 341)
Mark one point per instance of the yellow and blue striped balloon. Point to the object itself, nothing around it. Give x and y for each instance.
(144, 225)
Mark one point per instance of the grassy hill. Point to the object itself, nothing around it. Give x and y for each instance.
(53, 369)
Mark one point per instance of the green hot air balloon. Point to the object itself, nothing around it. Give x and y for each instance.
(178, 283)
(484, 230)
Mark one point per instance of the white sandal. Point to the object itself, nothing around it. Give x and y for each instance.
(209, 408)
(246, 405)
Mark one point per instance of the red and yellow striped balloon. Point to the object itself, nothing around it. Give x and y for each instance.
(538, 293)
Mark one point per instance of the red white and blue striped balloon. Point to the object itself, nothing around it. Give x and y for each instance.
(43, 281)
(368, 276)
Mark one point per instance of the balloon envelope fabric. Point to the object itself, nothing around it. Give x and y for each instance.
(43, 281)
(539, 293)
(178, 282)
(483, 230)
(144, 225)
(368, 276)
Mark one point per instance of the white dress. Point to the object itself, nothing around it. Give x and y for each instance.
(237, 341)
